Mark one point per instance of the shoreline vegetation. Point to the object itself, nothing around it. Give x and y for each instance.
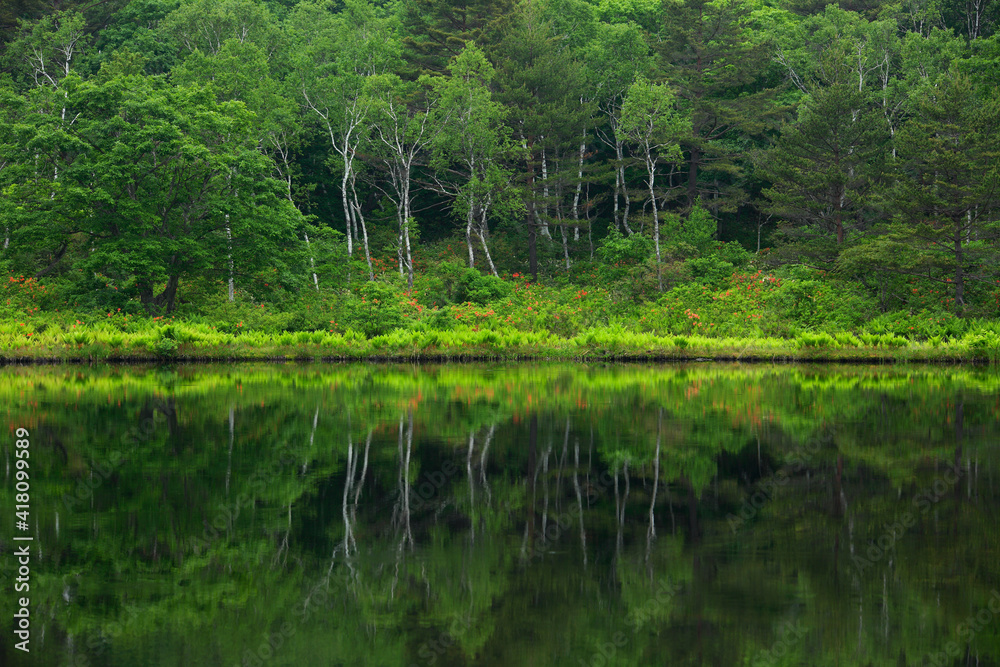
(454, 313)
(183, 343)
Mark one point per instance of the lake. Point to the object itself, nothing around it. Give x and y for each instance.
(533, 514)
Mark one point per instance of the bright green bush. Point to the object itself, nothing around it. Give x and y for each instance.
(711, 270)
(375, 310)
(619, 253)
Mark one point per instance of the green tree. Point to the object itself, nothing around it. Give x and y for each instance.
(719, 65)
(947, 187)
(336, 58)
(471, 149)
(542, 85)
(43, 57)
(825, 166)
(206, 25)
(436, 31)
(44, 52)
(405, 125)
(652, 124)
(614, 58)
(154, 175)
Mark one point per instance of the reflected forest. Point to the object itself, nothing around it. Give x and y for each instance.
(487, 515)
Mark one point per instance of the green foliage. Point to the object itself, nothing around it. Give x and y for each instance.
(922, 325)
(147, 147)
(375, 310)
(711, 270)
(734, 253)
(619, 253)
(696, 230)
(477, 288)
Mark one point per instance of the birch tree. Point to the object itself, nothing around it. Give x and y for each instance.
(42, 57)
(651, 123)
(404, 125)
(338, 57)
(469, 153)
(615, 58)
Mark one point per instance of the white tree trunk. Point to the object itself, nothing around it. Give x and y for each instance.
(545, 195)
(651, 166)
(469, 219)
(482, 239)
(579, 188)
(312, 261)
(348, 218)
(360, 223)
(229, 244)
(565, 244)
(620, 178)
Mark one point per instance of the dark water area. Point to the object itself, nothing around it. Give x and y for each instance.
(547, 515)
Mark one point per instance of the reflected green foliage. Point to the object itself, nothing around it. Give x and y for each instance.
(547, 514)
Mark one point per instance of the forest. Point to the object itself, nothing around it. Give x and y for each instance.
(500, 177)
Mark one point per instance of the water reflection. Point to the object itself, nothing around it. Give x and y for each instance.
(546, 515)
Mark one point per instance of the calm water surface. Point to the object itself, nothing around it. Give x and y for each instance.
(505, 515)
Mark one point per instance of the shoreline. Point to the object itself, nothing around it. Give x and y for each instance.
(942, 355)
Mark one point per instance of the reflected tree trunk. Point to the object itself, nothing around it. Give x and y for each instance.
(579, 500)
(529, 524)
(651, 532)
(472, 486)
(562, 464)
(482, 464)
(347, 543)
(545, 491)
(229, 460)
(620, 508)
(401, 514)
(405, 453)
(312, 438)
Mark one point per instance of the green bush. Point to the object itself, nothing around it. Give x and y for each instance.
(922, 325)
(375, 309)
(478, 288)
(697, 230)
(711, 270)
(734, 253)
(620, 253)
(821, 339)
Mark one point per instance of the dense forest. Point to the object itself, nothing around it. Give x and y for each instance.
(741, 168)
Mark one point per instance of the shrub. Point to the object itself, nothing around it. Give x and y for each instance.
(734, 253)
(478, 288)
(375, 309)
(697, 230)
(619, 253)
(710, 270)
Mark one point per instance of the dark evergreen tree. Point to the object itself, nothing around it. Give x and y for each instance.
(826, 165)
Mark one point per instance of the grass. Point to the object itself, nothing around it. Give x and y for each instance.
(195, 341)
